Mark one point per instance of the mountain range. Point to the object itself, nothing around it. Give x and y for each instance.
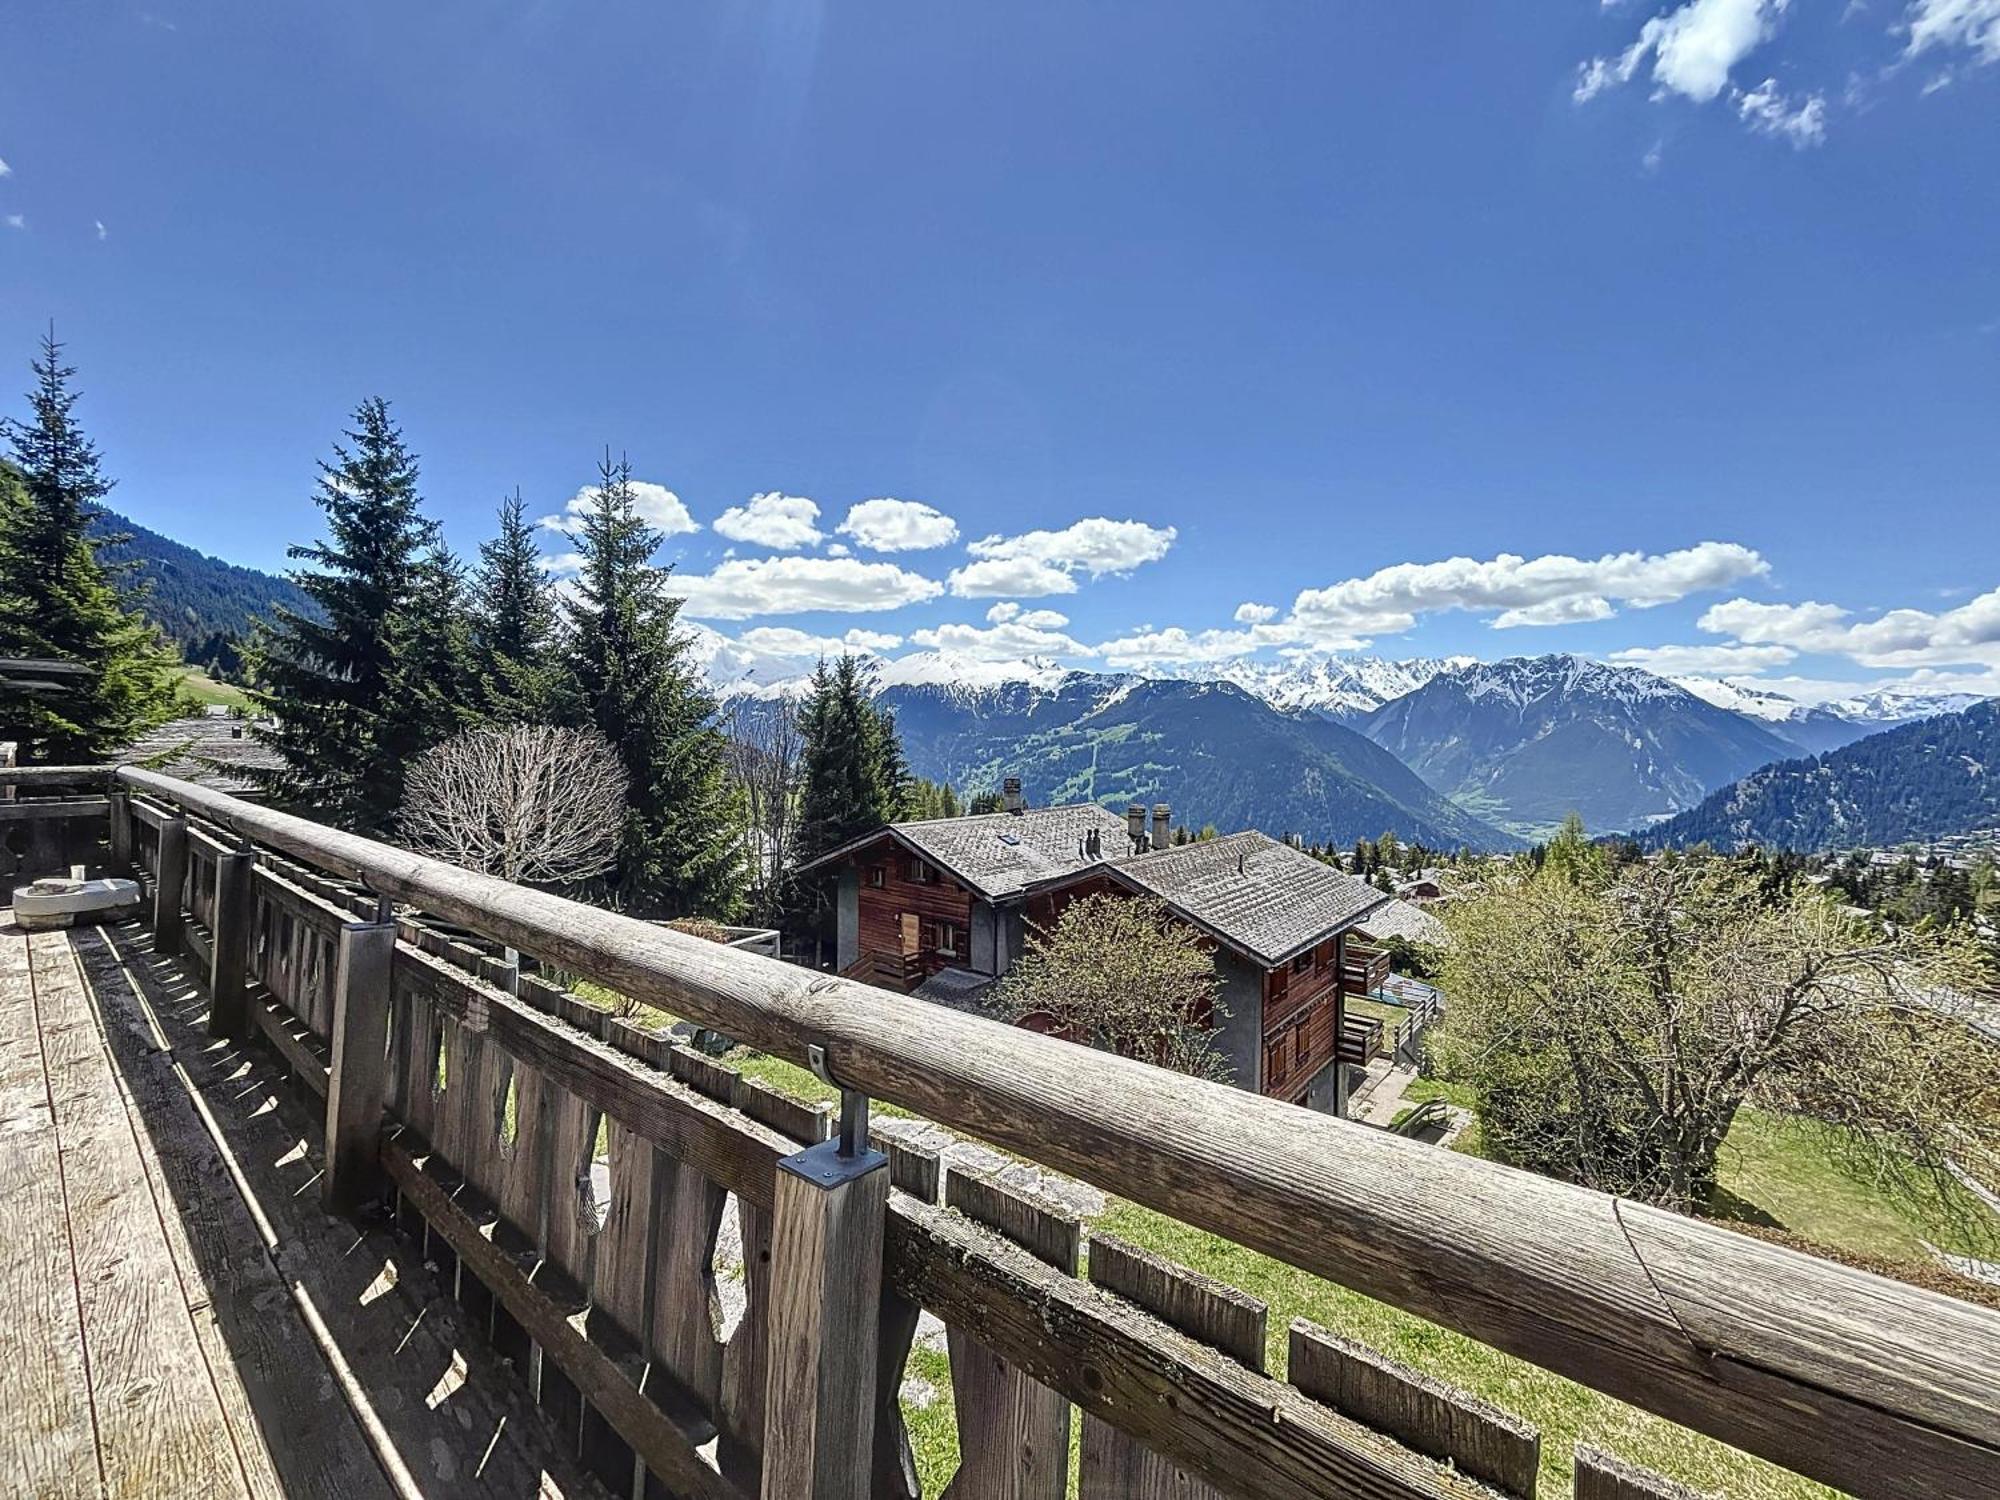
(1526, 741)
(1447, 751)
(1926, 780)
(1212, 750)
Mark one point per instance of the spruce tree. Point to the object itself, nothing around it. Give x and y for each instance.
(345, 729)
(58, 600)
(853, 769)
(514, 624)
(435, 680)
(682, 851)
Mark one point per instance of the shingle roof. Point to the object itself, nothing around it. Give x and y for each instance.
(207, 750)
(1001, 854)
(1260, 896)
(1396, 918)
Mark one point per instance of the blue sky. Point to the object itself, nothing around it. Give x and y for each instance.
(1494, 329)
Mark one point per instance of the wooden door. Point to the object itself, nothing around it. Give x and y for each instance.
(912, 928)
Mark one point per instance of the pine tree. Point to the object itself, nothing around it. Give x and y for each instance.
(853, 762)
(58, 600)
(434, 671)
(682, 849)
(514, 624)
(345, 726)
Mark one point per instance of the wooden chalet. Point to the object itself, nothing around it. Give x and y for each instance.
(940, 908)
(916, 899)
(1279, 924)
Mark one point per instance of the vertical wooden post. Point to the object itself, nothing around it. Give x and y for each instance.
(170, 875)
(229, 958)
(121, 833)
(825, 1310)
(361, 977)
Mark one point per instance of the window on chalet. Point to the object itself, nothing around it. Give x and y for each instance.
(1274, 1062)
(946, 939)
(1299, 1046)
(1303, 964)
(878, 876)
(922, 873)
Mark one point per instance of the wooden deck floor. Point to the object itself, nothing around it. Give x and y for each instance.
(177, 1315)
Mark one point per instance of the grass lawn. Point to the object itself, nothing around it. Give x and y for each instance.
(205, 690)
(1772, 1172)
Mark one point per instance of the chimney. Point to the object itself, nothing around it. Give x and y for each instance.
(1010, 795)
(1093, 845)
(1163, 825)
(1135, 825)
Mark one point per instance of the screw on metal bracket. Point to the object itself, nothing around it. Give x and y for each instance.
(853, 1103)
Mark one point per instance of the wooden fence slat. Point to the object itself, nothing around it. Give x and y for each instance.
(1252, 1437)
(665, 1449)
(740, 1453)
(1423, 1413)
(1013, 1431)
(687, 1312)
(1601, 1476)
(1115, 1463)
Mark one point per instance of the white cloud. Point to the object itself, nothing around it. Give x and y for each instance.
(744, 587)
(5, 170)
(1009, 640)
(1094, 546)
(1769, 112)
(1972, 24)
(784, 523)
(1968, 635)
(1001, 613)
(1256, 614)
(562, 564)
(801, 645)
(17, 221)
(1579, 610)
(1010, 577)
(658, 506)
(898, 526)
(1174, 646)
(1704, 661)
(839, 549)
(1552, 589)
(102, 232)
(1693, 48)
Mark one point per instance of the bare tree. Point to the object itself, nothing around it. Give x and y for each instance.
(765, 743)
(527, 802)
(1614, 1023)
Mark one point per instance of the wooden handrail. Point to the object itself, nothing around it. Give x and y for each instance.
(1874, 1386)
(96, 776)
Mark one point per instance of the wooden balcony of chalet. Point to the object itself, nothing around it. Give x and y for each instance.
(305, 1197)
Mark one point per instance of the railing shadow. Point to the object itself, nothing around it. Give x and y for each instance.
(363, 1376)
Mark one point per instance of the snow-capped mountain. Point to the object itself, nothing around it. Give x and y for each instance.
(1341, 687)
(1758, 703)
(971, 674)
(1899, 705)
(1525, 741)
(1827, 726)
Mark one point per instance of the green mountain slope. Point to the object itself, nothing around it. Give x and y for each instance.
(193, 597)
(1922, 781)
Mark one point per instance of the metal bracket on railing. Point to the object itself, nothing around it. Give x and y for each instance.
(853, 1103)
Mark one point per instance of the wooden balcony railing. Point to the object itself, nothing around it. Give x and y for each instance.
(482, 1107)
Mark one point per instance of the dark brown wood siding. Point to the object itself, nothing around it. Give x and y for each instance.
(881, 908)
